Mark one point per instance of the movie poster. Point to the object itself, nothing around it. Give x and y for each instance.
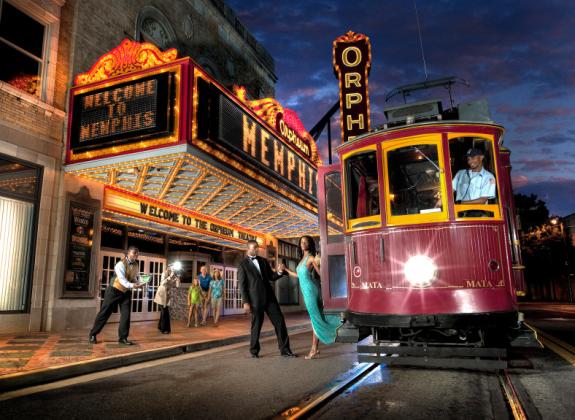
(79, 252)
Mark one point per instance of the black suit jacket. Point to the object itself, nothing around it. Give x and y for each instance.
(256, 288)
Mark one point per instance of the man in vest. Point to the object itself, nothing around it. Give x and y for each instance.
(119, 293)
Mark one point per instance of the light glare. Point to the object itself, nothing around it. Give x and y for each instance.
(420, 271)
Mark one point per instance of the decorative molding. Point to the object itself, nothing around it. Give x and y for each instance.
(271, 111)
(128, 57)
(268, 109)
(351, 36)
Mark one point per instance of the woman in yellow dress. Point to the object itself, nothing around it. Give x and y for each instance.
(194, 301)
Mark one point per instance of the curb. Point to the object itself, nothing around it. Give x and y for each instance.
(27, 379)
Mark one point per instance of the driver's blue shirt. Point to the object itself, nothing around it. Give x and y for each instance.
(471, 185)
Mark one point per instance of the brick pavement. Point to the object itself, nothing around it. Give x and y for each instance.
(38, 351)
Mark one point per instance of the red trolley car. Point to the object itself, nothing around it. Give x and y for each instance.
(402, 259)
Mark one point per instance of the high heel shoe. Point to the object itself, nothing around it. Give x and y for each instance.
(313, 354)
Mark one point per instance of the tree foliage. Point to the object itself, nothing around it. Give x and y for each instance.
(532, 211)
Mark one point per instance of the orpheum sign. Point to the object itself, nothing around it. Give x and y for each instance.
(351, 63)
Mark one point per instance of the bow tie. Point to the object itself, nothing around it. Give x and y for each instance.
(253, 258)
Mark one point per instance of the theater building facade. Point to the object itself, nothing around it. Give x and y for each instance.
(146, 146)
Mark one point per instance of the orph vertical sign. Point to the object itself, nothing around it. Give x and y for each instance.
(351, 63)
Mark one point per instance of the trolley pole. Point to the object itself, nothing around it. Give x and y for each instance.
(559, 221)
(329, 139)
(567, 265)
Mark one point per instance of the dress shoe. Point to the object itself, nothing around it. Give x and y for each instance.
(92, 339)
(255, 356)
(288, 354)
(125, 342)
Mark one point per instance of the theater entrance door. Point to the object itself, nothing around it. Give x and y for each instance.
(232, 296)
(143, 306)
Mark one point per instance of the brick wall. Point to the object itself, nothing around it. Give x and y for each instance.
(29, 114)
(196, 28)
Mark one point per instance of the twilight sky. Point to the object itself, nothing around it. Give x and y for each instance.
(519, 55)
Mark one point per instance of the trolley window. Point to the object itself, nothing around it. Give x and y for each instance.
(415, 182)
(333, 207)
(362, 190)
(474, 174)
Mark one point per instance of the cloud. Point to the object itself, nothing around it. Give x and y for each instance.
(554, 139)
(558, 194)
(520, 181)
(515, 54)
(312, 94)
(543, 165)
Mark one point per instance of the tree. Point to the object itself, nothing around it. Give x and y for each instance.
(545, 251)
(532, 211)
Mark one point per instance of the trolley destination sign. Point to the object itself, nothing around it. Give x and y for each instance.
(121, 113)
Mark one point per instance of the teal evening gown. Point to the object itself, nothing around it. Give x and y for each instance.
(324, 326)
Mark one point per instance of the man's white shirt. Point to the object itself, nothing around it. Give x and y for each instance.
(256, 263)
(471, 185)
(120, 270)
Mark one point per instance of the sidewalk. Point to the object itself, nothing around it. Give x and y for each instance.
(27, 360)
(568, 308)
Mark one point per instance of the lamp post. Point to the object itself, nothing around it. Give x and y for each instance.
(557, 221)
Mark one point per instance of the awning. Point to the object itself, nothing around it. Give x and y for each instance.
(181, 177)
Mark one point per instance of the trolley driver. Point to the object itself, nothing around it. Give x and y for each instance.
(475, 185)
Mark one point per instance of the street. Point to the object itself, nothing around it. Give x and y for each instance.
(221, 384)
(227, 383)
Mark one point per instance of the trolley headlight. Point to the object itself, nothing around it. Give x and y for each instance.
(420, 271)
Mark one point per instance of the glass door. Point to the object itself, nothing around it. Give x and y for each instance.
(232, 296)
(108, 260)
(333, 272)
(143, 306)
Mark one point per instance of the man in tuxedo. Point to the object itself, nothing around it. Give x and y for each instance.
(254, 276)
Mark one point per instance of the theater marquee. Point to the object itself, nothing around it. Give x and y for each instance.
(254, 142)
(137, 206)
(121, 113)
(130, 100)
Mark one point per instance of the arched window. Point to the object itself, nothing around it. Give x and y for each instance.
(153, 26)
(210, 67)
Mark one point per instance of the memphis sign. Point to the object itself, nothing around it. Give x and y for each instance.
(351, 63)
(122, 113)
(253, 142)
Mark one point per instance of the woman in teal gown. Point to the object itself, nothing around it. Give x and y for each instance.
(324, 326)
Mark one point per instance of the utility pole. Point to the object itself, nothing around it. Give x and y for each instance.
(558, 221)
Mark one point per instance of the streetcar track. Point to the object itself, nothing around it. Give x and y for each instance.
(511, 397)
(307, 408)
(566, 351)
